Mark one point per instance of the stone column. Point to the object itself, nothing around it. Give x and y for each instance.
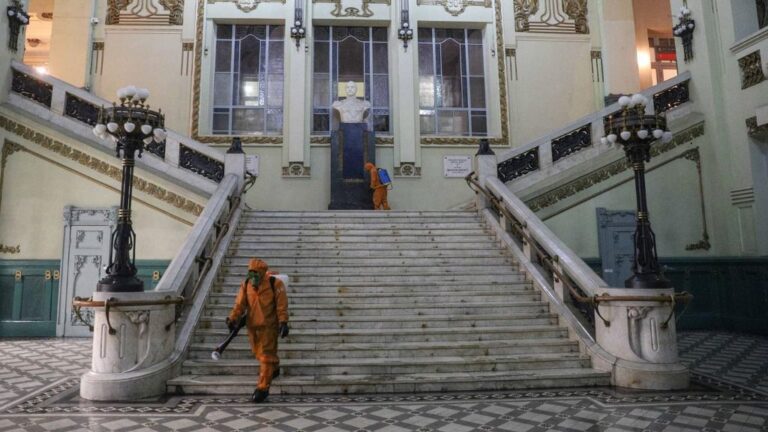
(298, 96)
(404, 91)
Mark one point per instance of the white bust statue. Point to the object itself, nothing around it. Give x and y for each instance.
(352, 109)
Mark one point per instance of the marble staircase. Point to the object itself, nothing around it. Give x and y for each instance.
(387, 302)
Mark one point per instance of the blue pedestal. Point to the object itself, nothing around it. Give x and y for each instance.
(352, 145)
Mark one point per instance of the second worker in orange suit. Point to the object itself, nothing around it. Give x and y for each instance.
(379, 190)
(264, 298)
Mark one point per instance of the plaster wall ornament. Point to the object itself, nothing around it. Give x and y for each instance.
(551, 16)
(352, 109)
(523, 11)
(145, 12)
(297, 169)
(456, 7)
(246, 5)
(352, 8)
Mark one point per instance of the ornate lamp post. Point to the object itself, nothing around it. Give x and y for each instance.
(131, 125)
(635, 131)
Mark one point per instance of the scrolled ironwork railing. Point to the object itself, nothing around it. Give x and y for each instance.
(519, 165)
(672, 97)
(80, 109)
(572, 142)
(200, 164)
(31, 87)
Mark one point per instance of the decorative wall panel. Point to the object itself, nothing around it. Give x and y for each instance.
(751, 70)
(352, 8)
(456, 7)
(145, 12)
(551, 16)
(246, 5)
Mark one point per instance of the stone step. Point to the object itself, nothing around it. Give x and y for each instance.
(364, 322)
(362, 254)
(395, 300)
(362, 262)
(394, 285)
(364, 214)
(404, 310)
(346, 238)
(240, 349)
(379, 366)
(311, 271)
(438, 291)
(331, 225)
(364, 232)
(256, 245)
(414, 278)
(407, 383)
(399, 335)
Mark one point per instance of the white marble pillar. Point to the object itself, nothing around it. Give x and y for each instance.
(298, 89)
(404, 63)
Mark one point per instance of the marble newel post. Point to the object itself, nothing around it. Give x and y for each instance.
(126, 342)
(485, 166)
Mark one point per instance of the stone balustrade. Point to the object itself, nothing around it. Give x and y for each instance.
(579, 141)
(73, 109)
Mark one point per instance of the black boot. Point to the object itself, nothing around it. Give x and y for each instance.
(259, 396)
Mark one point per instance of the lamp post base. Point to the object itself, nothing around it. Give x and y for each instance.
(648, 281)
(120, 283)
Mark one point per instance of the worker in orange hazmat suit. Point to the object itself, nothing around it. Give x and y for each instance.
(264, 298)
(379, 190)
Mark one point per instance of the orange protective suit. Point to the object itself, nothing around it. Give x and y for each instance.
(379, 190)
(266, 310)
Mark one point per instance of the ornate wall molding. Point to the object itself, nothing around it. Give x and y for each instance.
(9, 148)
(100, 166)
(407, 169)
(326, 140)
(352, 8)
(551, 16)
(246, 5)
(297, 169)
(7, 249)
(602, 174)
(751, 70)
(456, 7)
(97, 58)
(145, 12)
(743, 197)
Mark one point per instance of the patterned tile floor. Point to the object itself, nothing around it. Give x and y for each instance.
(39, 392)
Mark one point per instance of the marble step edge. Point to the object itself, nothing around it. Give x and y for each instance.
(402, 361)
(401, 346)
(403, 332)
(400, 294)
(409, 306)
(382, 284)
(456, 317)
(239, 380)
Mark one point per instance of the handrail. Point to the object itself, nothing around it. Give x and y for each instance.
(176, 277)
(566, 267)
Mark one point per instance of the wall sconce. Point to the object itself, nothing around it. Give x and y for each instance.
(406, 32)
(298, 32)
(684, 30)
(16, 18)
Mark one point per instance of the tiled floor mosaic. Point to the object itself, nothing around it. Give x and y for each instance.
(39, 392)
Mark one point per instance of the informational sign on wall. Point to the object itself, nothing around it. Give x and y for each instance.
(252, 164)
(457, 166)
